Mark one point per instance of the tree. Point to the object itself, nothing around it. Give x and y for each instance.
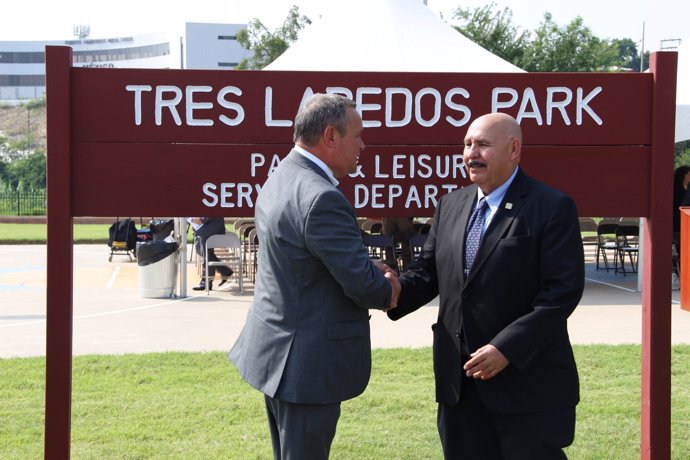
(494, 31)
(28, 173)
(265, 45)
(572, 48)
(629, 56)
(12, 150)
(682, 153)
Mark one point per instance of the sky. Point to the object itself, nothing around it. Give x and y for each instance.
(54, 20)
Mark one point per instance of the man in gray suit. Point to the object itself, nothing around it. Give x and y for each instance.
(305, 343)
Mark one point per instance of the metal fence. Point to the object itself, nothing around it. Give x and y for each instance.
(23, 203)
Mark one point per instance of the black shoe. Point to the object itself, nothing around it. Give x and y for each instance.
(225, 276)
(202, 286)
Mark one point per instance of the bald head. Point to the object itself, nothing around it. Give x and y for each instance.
(502, 123)
(492, 150)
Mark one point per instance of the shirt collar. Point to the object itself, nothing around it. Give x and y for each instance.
(495, 198)
(318, 162)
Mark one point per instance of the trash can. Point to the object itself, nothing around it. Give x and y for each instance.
(157, 262)
(161, 229)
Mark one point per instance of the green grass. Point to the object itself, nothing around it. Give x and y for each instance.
(37, 233)
(194, 405)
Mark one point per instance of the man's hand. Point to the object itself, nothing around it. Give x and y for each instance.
(392, 277)
(384, 268)
(485, 363)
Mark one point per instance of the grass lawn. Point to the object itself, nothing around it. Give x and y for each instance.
(195, 406)
(37, 233)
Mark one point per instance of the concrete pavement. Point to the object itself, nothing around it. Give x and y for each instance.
(110, 316)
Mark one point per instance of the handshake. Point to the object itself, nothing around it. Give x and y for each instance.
(392, 276)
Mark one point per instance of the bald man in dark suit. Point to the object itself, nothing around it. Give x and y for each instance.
(506, 380)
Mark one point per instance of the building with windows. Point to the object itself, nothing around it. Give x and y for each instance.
(213, 46)
(208, 46)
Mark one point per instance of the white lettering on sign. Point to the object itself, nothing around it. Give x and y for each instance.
(458, 107)
(268, 111)
(138, 89)
(258, 160)
(230, 194)
(436, 107)
(529, 107)
(423, 166)
(169, 97)
(583, 104)
(394, 107)
(171, 104)
(192, 105)
(382, 196)
(558, 105)
(223, 102)
(364, 107)
(407, 111)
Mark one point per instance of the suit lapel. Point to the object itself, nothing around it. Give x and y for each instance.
(462, 210)
(501, 222)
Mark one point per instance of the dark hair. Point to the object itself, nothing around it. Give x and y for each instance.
(678, 177)
(321, 111)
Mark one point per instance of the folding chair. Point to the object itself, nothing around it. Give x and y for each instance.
(627, 242)
(588, 233)
(417, 244)
(606, 241)
(231, 257)
(381, 248)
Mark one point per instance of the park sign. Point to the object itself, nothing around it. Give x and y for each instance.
(135, 142)
(187, 142)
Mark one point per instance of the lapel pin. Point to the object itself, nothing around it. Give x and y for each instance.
(509, 205)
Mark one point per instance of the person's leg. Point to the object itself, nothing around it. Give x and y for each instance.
(212, 257)
(301, 431)
(466, 430)
(536, 436)
(200, 247)
(273, 428)
(225, 272)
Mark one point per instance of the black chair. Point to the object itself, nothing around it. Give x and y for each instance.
(381, 248)
(627, 242)
(372, 226)
(424, 228)
(588, 233)
(417, 244)
(606, 241)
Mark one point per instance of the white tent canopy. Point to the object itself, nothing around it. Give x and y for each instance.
(683, 93)
(386, 36)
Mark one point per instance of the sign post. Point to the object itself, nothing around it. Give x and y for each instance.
(578, 128)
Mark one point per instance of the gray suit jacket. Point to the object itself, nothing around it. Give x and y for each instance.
(306, 337)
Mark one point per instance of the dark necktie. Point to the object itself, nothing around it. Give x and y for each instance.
(475, 230)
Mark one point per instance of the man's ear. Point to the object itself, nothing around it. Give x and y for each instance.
(515, 148)
(329, 135)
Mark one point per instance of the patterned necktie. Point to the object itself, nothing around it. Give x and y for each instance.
(475, 230)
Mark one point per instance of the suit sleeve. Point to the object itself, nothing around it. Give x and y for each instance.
(420, 282)
(332, 235)
(561, 282)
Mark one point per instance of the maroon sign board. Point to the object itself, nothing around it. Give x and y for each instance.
(187, 142)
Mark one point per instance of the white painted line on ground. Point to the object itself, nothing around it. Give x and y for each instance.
(610, 285)
(108, 313)
(111, 281)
